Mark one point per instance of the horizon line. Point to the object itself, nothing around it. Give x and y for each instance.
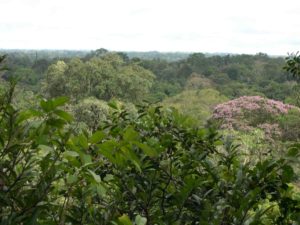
(135, 51)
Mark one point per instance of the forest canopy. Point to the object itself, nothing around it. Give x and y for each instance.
(103, 138)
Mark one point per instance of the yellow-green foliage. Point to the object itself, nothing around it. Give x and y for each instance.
(91, 112)
(198, 104)
(251, 143)
(197, 81)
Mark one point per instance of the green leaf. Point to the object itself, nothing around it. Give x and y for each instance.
(96, 177)
(107, 149)
(83, 142)
(60, 101)
(25, 115)
(59, 123)
(137, 165)
(108, 177)
(64, 115)
(167, 140)
(140, 220)
(147, 149)
(45, 150)
(71, 179)
(202, 132)
(190, 183)
(52, 104)
(46, 105)
(72, 154)
(124, 220)
(129, 154)
(287, 173)
(85, 159)
(218, 143)
(113, 104)
(101, 190)
(97, 137)
(130, 134)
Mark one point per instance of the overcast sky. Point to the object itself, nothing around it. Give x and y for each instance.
(232, 26)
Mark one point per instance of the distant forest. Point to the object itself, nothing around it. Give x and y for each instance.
(231, 75)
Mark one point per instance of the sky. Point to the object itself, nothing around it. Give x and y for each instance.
(212, 26)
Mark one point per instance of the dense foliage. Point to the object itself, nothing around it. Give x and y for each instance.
(94, 158)
(151, 169)
(105, 78)
(198, 104)
(232, 75)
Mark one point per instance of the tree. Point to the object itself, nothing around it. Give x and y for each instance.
(91, 111)
(106, 77)
(197, 104)
(55, 82)
(293, 65)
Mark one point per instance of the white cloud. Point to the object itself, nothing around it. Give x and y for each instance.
(166, 25)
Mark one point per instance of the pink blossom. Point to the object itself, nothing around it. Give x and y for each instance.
(248, 112)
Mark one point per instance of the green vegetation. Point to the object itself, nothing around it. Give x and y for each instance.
(102, 138)
(105, 78)
(198, 104)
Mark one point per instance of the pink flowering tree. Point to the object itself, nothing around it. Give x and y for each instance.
(249, 112)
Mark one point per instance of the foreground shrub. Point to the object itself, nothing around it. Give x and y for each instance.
(151, 169)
